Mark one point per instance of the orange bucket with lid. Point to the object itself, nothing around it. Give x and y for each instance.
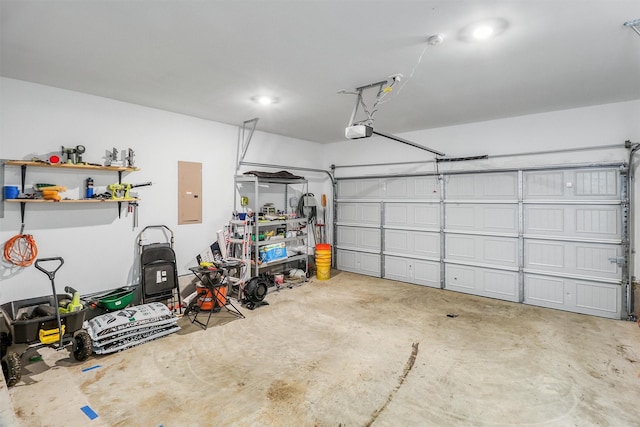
(323, 261)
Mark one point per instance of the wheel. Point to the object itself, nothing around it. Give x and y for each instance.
(82, 346)
(5, 343)
(11, 368)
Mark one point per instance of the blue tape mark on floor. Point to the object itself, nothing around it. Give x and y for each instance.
(89, 412)
(91, 367)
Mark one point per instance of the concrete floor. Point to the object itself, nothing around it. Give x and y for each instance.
(355, 351)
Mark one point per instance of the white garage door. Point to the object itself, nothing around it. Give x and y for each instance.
(551, 237)
(481, 234)
(574, 258)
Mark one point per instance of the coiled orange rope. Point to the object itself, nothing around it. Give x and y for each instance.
(21, 250)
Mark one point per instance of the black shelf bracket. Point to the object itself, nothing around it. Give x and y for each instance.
(23, 175)
(22, 206)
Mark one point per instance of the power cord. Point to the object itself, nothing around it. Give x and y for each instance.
(21, 250)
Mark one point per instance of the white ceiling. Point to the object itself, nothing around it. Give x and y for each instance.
(208, 58)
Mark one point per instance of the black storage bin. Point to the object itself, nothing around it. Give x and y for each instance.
(27, 331)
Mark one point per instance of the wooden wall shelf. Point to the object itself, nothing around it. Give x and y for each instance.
(71, 166)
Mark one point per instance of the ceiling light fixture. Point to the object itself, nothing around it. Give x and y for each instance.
(483, 30)
(264, 100)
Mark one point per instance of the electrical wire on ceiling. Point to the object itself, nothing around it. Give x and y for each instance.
(433, 40)
(385, 87)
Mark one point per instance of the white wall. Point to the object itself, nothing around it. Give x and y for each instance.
(100, 250)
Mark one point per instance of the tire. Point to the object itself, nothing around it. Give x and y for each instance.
(82, 346)
(11, 368)
(5, 343)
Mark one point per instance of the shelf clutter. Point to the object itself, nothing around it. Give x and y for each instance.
(278, 231)
(118, 192)
(50, 193)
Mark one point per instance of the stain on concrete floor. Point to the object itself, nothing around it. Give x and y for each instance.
(330, 353)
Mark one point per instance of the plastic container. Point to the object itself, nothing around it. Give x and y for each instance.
(323, 261)
(116, 300)
(10, 192)
(206, 300)
(28, 330)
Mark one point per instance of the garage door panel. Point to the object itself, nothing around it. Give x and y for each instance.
(576, 295)
(359, 213)
(591, 183)
(459, 217)
(369, 238)
(358, 262)
(426, 273)
(544, 255)
(482, 281)
(543, 184)
(545, 220)
(420, 272)
(370, 264)
(593, 260)
(501, 283)
(489, 218)
(415, 215)
(460, 247)
(347, 212)
(426, 244)
(461, 278)
(396, 268)
(395, 188)
(347, 237)
(495, 186)
(598, 221)
(578, 221)
(546, 291)
(597, 296)
(346, 260)
(359, 189)
(370, 215)
(407, 242)
(423, 188)
(598, 260)
(358, 238)
(498, 251)
(572, 184)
